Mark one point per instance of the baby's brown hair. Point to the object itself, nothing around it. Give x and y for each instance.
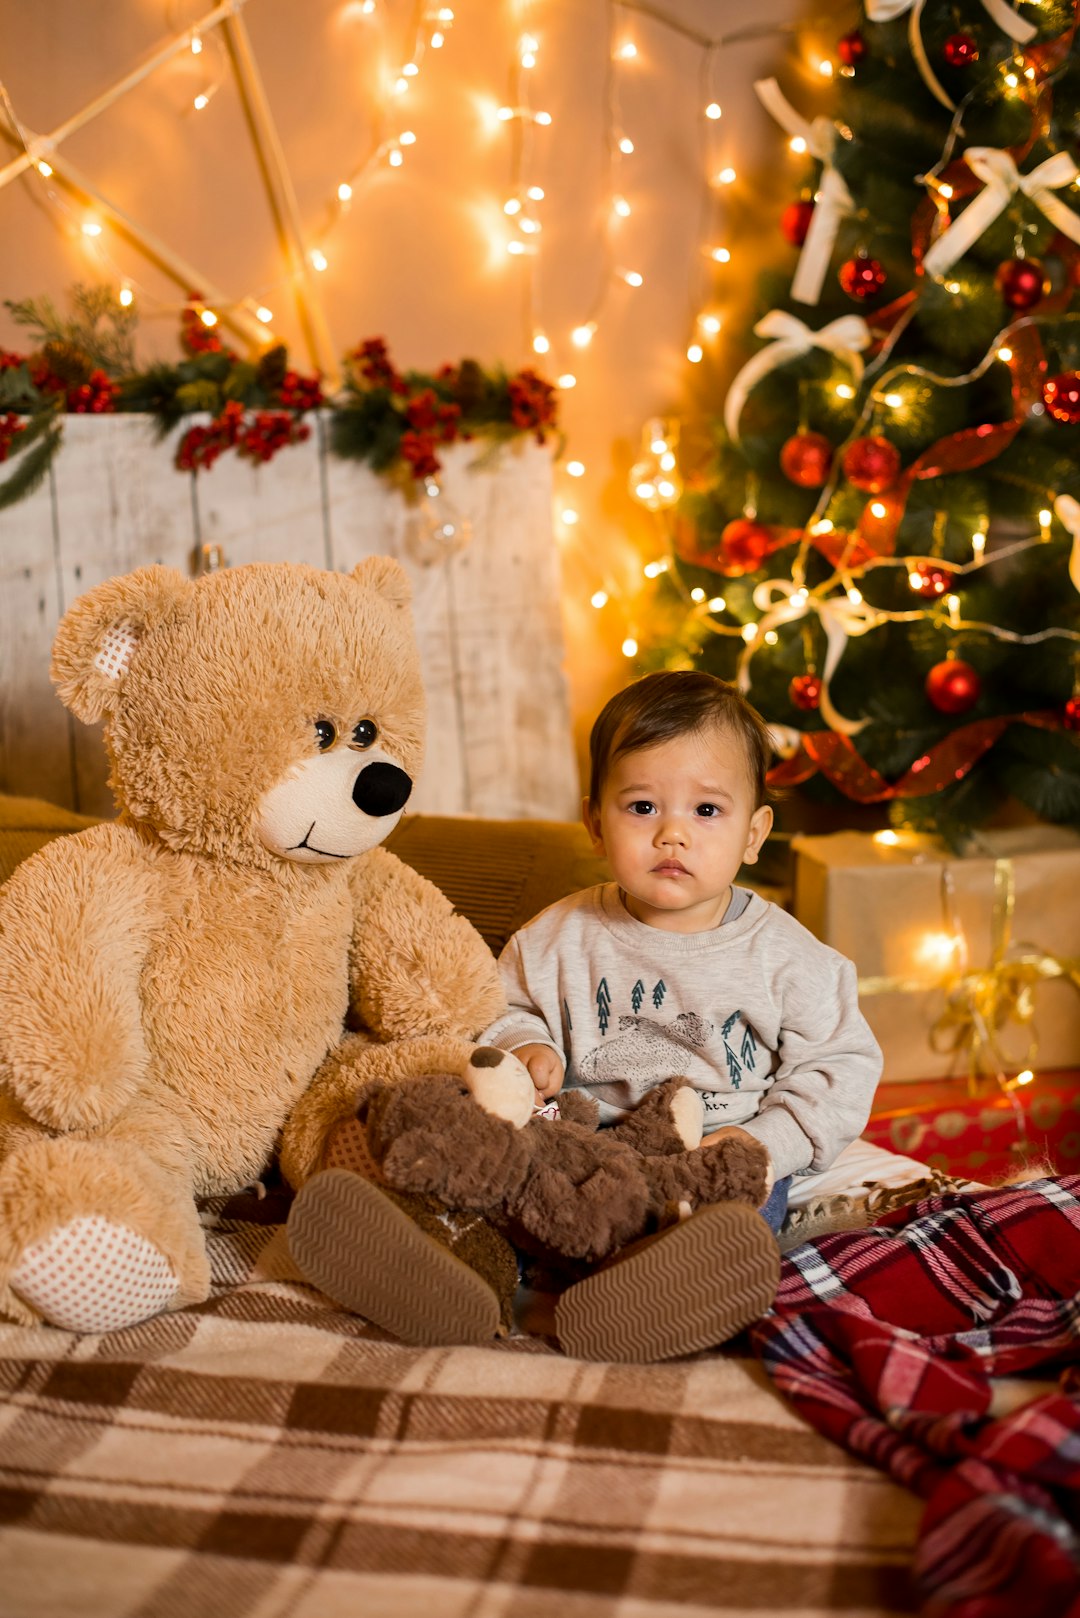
(679, 702)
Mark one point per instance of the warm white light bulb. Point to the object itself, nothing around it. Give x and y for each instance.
(854, 596)
(894, 400)
(667, 461)
(437, 41)
(541, 343)
(542, 118)
(645, 490)
(749, 632)
(825, 68)
(844, 390)
(713, 110)
(797, 144)
(653, 570)
(200, 102)
(529, 42)
(410, 70)
(567, 380)
(697, 594)
(1004, 354)
(400, 86)
(626, 145)
(535, 193)
(626, 51)
(717, 604)
(576, 469)
(45, 170)
(582, 336)
(720, 255)
(344, 191)
(512, 206)
(505, 114)
(407, 138)
(319, 260)
(946, 191)
(710, 324)
(126, 296)
(528, 59)
(629, 647)
(620, 206)
(396, 157)
(888, 839)
(725, 177)
(633, 278)
(91, 228)
(264, 314)
(531, 227)
(598, 599)
(695, 353)
(569, 516)
(877, 509)
(516, 248)
(196, 45)
(208, 317)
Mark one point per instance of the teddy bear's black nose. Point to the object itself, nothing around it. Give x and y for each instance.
(381, 789)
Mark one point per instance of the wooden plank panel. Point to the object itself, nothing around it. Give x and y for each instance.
(264, 513)
(36, 757)
(120, 504)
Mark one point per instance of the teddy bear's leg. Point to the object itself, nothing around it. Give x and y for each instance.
(95, 1233)
(406, 1263)
(670, 1118)
(692, 1286)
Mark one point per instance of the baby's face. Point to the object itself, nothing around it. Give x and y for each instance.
(676, 821)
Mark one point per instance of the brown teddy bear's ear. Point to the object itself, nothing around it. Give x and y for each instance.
(98, 636)
(388, 577)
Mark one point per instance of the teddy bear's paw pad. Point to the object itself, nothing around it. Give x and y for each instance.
(688, 1116)
(691, 1287)
(94, 1276)
(347, 1148)
(500, 1084)
(364, 1252)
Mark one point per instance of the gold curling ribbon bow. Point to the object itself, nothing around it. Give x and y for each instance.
(979, 1002)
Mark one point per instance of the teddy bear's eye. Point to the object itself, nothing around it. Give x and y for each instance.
(365, 733)
(325, 734)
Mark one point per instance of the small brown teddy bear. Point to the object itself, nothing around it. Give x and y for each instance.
(449, 1183)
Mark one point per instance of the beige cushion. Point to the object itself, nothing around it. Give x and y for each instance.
(27, 824)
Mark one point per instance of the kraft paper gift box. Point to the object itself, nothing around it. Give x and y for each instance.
(964, 962)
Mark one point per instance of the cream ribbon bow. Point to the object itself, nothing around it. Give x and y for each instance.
(833, 199)
(1001, 181)
(840, 618)
(1068, 510)
(845, 338)
(1003, 15)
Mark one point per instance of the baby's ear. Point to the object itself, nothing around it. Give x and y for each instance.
(100, 635)
(387, 577)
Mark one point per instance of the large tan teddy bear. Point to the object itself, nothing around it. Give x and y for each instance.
(173, 983)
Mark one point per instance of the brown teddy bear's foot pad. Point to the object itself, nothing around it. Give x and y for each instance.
(364, 1252)
(691, 1287)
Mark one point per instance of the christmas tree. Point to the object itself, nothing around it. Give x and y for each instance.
(884, 548)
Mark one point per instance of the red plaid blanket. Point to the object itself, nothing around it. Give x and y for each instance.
(886, 1340)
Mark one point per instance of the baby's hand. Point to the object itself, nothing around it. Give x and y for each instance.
(729, 1131)
(545, 1069)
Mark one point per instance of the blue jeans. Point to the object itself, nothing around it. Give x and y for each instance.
(774, 1207)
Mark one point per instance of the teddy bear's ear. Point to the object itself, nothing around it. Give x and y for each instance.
(388, 577)
(99, 635)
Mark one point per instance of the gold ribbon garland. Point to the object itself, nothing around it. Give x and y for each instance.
(979, 1002)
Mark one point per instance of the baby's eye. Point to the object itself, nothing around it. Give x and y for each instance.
(641, 806)
(325, 734)
(707, 811)
(364, 733)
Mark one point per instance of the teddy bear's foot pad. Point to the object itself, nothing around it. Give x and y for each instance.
(364, 1252)
(691, 1287)
(94, 1276)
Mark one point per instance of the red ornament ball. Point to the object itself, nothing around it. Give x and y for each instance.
(1070, 717)
(744, 545)
(953, 686)
(806, 459)
(862, 277)
(960, 50)
(1021, 282)
(851, 48)
(1061, 396)
(805, 692)
(795, 222)
(871, 464)
(929, 581)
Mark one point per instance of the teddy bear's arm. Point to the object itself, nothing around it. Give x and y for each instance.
(75, 923)
(416, 967)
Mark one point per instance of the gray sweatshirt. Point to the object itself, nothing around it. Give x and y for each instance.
(757, 1013)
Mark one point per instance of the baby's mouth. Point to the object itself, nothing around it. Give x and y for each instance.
(670, 868)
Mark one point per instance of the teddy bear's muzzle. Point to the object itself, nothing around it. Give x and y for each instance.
(381, 789)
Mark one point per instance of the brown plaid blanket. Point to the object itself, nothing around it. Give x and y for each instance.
(268, 1456)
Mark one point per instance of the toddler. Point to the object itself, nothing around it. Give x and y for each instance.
(670, 970)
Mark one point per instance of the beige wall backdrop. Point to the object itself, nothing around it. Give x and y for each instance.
(419, 254)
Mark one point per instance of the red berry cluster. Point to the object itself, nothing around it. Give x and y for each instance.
(532, 403)
(431, 422)
(200, 446)
(195, 336)
(96, 396)
(300, 392)
(270, 431)
(372, 361)
(11, 426)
